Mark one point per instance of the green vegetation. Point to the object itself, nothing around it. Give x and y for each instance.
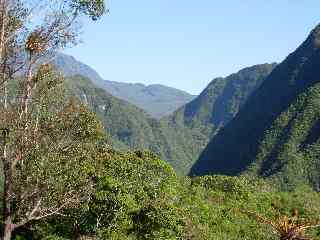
(181, 137)
(131, 128)
(67, 166)
(45, 146)
(136, 195)
(142, 198)
(276, 134)
(293, 137)
(200, 120)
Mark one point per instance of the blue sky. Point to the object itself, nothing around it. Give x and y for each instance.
(185, 43)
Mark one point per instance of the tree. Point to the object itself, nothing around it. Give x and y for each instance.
(37, 134)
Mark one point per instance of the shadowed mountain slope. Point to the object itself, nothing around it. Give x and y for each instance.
(222, 99)
(274, 131)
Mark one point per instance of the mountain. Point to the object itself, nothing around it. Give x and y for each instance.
(157, 100)
(130, 127)
(276, 133)
(182, 136)
(69, 66)
(198, 121)
(221, 100)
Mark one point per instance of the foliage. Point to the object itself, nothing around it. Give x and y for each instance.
(52, 149)
(40, 141)
(142, 198)
(62, 179)
(138, 196)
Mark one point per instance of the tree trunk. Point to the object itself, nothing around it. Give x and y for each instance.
(7, 231)
(76, 233)
(7, 187)
(2, 44)
(25, 99)
(7, 193)
(3, 19)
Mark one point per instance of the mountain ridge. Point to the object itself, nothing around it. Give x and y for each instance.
(174, 140)
(156, 99)
(219, 102)
(181, 136)
(236, 147)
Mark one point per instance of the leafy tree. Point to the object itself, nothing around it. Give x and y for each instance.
(25, 132)
(50, 161)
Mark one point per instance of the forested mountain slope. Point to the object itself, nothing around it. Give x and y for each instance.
(221, 100)
(128, 125)
(195, 123)
(181, 137)
(157, 100)
(131, 128)
(276, 133)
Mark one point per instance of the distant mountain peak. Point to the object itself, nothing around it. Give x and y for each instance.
(156, 99)
(70, 66)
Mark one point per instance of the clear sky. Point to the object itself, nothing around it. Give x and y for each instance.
(186, 43)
